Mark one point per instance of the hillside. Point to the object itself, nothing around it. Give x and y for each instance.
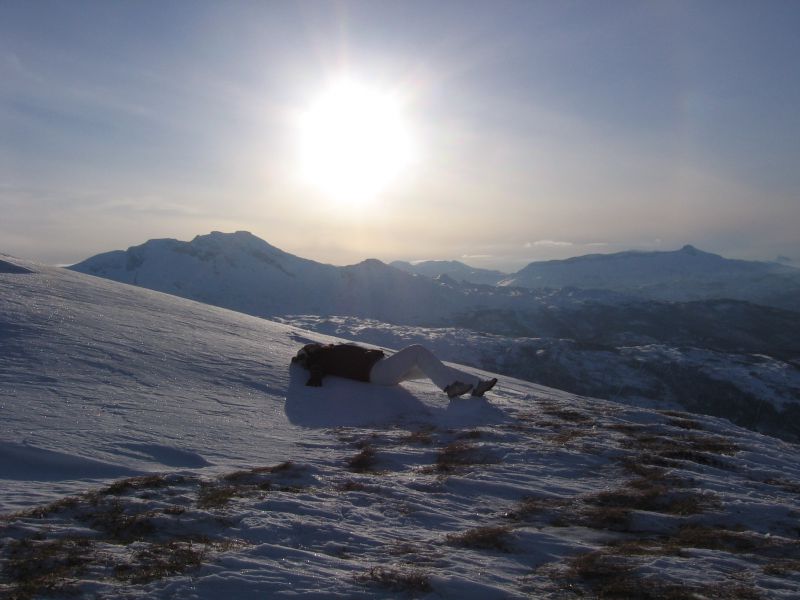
(239, 481)
(680, 275)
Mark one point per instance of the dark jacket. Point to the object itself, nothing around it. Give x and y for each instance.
(343, 360)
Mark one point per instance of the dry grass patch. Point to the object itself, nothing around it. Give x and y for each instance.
(40, 512)
(364, 461)
(598, 565)
(645, 495)
(675, 413)
(352, 486)
(653, 490)
(782, 567)
(130, 541)
(421, 437)
(35, 568)
(396, 580)
(615, 518)
(158, 561)
(630, 428)
(637, 547)
(133, 484)
(566, 414)
(643, 471)
(685, 424)
(119, 524)
(460, 454)
(257, 473)
(735, 542)
(244, 483)
(785, 484)
(482, 538)
(532, 506)
(568, 435)
(282, 467)
(216, 496)
(174, 510)
(700, 458)
(669, 451)
(606, 574)
(527, 416)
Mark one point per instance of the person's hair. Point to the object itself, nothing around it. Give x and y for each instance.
(302, 355)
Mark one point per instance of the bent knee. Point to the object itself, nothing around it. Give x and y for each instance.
(417, 349)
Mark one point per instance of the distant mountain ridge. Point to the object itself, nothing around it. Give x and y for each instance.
(243, 272)
(456, 270)
(681, 275)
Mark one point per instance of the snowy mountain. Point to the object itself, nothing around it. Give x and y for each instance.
(453, 269)
(238, 481)
(685, 274)
(244, 273)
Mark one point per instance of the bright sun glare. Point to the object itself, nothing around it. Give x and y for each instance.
(354, 142)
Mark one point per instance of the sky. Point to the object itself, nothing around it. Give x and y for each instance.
(530, 130)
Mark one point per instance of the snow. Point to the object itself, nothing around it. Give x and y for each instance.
(267, 488)
(620, 374)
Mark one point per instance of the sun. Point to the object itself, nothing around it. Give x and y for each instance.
(354, 142)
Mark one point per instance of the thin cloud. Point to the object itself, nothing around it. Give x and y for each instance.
(548, 243)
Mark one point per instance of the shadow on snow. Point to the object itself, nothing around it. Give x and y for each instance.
(346, 403)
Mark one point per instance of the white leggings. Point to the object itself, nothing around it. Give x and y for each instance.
(415, 362)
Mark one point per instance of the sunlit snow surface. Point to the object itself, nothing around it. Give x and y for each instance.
(268, 488)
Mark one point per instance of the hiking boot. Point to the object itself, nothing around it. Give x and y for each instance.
(457, 388)
(484, 386)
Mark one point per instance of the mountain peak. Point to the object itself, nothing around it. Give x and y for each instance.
(237, 238)
(371, 263)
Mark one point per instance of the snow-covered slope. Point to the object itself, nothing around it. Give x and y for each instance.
(241, 482)
(685, 274)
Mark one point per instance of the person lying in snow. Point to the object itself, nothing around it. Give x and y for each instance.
(363, 364)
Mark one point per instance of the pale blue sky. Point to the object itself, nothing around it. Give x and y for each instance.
(544, 129)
